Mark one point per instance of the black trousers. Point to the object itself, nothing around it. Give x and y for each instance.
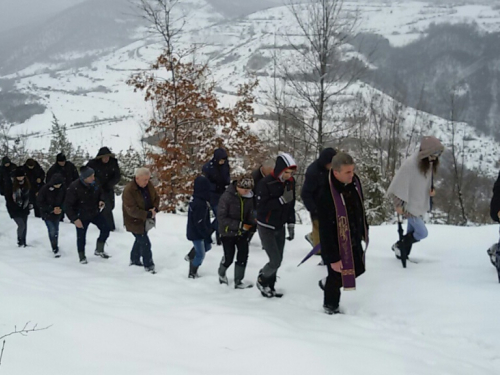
(230, 244)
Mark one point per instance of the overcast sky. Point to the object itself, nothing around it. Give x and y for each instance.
(20, 12)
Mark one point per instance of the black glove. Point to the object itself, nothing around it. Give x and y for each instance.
(291, 232)
(287, 196)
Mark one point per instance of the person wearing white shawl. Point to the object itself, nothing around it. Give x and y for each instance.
(411, 190)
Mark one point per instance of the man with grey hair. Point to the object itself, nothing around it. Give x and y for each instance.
(140, 205)
(342, 227)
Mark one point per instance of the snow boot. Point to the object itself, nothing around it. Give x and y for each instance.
(190, 256)
(83, 259)
(136, 263)
(331, 310)
(239, 275)
(99, 250)
(150, 269)
(403, 247)
(272, 282)
(193, 271)
(263, 286)
(222, 273)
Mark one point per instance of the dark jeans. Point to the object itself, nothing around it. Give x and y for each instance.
(142, 248)
(332, 288)
(230, 244)
(81, 233)
(273, 242)
(22, 228)
(53, 227)
(107, 211)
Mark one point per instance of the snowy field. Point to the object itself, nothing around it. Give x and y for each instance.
(436, 317)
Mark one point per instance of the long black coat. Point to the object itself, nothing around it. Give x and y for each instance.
(495, 200)
(50, 197)
(6, 177)
(234, 211)
(68, 171)
(315, 181)
(33, 175)
(328, 224)
(107, 175)
(82, 201)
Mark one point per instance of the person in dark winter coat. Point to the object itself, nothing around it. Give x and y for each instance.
(36, 177)
(50, 199)
(316, 180)
(18, 203)
(199, 229)
(65, 168)
(140, 203)
(235, 221)
(275, 209)
(258, 174)
(494, 250)
(332, 216)
(83, 204)
(107, 175)
(217, 172)
(6, 170)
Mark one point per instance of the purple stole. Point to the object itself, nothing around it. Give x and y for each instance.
(344, 234)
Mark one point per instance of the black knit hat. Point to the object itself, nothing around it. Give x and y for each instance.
(61, 157)
(19, 172)
(5, 160)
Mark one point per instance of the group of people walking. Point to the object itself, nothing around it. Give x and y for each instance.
(262, 202)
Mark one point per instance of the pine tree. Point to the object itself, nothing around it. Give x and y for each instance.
(59, 142)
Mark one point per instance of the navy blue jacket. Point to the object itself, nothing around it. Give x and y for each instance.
(218, 175)
(316, 181)
(271, 213)
(198, 225)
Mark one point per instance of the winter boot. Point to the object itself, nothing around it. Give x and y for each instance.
(272, 282)
(263, 285)
(193, 271)
(190, 256)
(331, 310)
(222, 273)
(150, 269)
(239, 275)
(136, 263)
(83, 259)
(403, 247)
(99, 250)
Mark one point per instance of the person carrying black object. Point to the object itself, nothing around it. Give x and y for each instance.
(494, 250)
(36, 177)
(107, 175)
(83, 204)
(199, 230)
(50, 199)
(258, 174)
(342, 225)
(140, 204)
(6, 170)
(217, 172)
(65, 168)
(315, 182)
(18, 203)
(235, 220)
(275, 209)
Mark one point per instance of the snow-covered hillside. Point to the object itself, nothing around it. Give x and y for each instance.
(99, 108)
(435, 317)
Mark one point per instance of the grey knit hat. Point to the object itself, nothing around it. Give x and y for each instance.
(430, 146)
(86, 172)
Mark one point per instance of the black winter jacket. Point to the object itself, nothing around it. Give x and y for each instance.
(495, 200)
(68, 171)
(82, 201)
(271, 213)
(218, 175)
(315, 181)
(198, 225)
(50, 197)
(32, 175)
(107, 175)
(328, 224)
(234, 210)
(17, 198)
(6, 177)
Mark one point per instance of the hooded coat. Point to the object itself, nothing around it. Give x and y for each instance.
(218, 175)
(198, 225)
(50, 197)
(33, 174)
(6, 174)
(316, 180)
(271, 213)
